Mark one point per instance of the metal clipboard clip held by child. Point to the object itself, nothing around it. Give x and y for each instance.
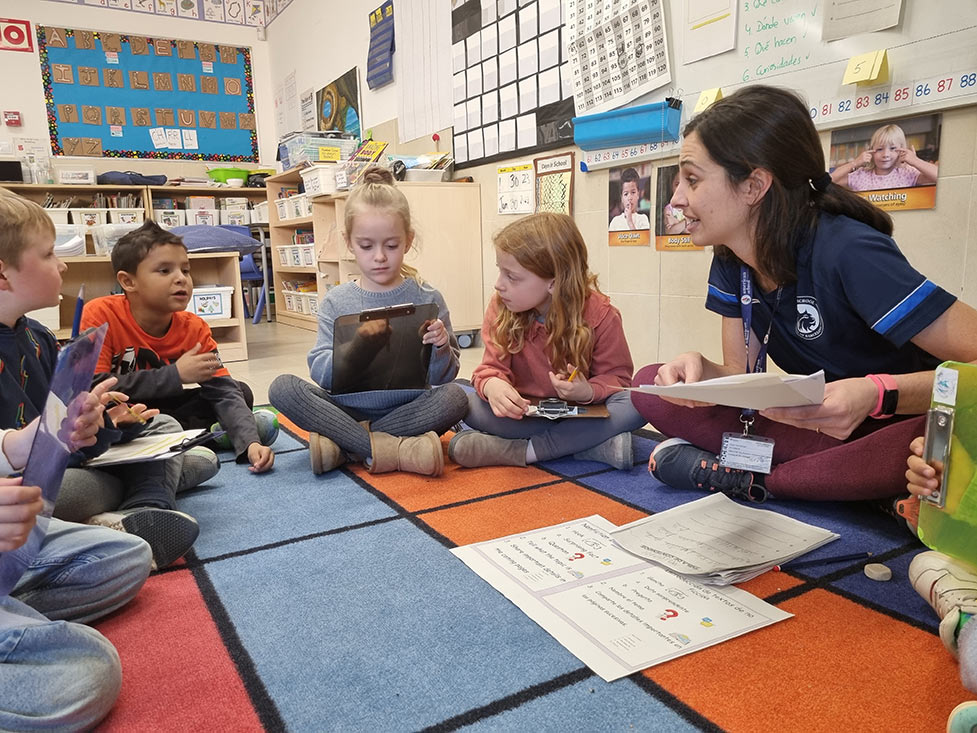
(948, 517)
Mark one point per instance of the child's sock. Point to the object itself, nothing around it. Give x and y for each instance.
(964, 618)
(530, 453)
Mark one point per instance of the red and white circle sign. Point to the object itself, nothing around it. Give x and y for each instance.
(15, 35)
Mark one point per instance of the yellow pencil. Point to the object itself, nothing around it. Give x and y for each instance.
(573, 374)
(116, 396)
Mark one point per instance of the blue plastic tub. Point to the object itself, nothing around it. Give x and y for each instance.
(647, 123)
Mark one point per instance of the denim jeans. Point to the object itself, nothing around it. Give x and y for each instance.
(55, 673)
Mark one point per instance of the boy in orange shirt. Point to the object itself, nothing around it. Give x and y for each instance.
(155, 347)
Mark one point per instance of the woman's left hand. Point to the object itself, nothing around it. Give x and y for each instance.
(847, 402)
(436, 333)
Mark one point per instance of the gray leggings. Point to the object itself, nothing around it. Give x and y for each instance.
(89, 491)
(313, 408)
(556, 438)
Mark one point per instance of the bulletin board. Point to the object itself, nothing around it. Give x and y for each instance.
(510, 88)
(119, 96)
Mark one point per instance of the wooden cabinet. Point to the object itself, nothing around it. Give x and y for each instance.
(95, 271)
(447, 247)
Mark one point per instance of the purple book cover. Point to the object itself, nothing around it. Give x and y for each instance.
(50, 450)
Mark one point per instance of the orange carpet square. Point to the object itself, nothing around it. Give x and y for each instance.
(835, 666)
(541, 507)
(175, 667)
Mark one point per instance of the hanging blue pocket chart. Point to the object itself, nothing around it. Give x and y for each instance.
(118, 96)
(379, 64)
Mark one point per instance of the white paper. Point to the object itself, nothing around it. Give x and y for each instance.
(476, 148)
(528, 59)
(460, 117)
(718, 541)
(491, 140)
(549, 15)
(474, 47)
(528, 21)
(527, 95)
(617, 613)
(189, 139)
(474, 119)
(490, 41)
(508, 101)
(488, 12)
(756, 391)
(307, 110)
(148, 448)
(461, 148)
(549, 50)
(507, 33)
(526, 130)
(458, 57)
(549, 86)
(507, 67)
(516, 182)
(490, 108)
(174, 140)
(490, 74)
(459, 87)
(158, 136)
(507, 136)
(475, 80)
(709, 28)
(843, 18)
(422, 68)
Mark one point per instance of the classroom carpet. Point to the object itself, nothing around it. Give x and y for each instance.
(333, 603)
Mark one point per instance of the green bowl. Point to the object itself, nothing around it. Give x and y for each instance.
(222, 174)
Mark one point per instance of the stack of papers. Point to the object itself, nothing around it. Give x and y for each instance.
(756, 391)
(74, 247)
(716, 541)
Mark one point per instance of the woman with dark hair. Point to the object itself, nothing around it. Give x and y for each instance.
(808, 271)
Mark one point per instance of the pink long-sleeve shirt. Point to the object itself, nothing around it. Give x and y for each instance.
(610, 364)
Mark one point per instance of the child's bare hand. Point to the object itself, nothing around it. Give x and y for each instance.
(123, 413)
(261, 457)
(19, 507)
(579, 390)
(922, 479)
(504, 399)
(436, 333)
(196, 367)
(85, 416)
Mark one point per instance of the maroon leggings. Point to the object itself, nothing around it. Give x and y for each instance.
(871, 464)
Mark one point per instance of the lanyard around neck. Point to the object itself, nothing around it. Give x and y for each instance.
(746, 313)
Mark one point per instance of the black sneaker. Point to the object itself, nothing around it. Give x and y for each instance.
(170, 533)
(681, 465)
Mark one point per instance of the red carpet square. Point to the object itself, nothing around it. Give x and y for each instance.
(175, 667)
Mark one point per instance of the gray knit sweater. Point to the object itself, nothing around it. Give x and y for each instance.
(350, 298)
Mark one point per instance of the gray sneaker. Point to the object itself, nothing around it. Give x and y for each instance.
(199, 464)
(170, 533)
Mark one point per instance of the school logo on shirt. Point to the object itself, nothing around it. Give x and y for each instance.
(809, 323)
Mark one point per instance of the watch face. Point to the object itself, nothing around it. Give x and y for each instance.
(890, 400)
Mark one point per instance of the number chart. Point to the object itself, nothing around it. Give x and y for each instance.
(617, 50)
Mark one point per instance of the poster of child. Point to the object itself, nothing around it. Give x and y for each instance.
(628, 205)
(892, 164)
(670, 224)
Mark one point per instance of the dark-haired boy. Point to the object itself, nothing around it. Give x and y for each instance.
(154, 346)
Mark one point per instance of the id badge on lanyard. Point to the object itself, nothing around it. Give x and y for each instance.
(742, 450)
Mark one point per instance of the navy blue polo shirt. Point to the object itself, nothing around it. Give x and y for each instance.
(855, 306)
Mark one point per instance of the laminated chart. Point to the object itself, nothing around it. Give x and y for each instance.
(617, 51)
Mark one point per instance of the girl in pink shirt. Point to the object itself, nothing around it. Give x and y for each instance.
(548, 333)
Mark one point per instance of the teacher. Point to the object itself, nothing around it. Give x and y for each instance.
(808, 272)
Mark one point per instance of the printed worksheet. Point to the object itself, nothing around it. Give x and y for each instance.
(614, 611)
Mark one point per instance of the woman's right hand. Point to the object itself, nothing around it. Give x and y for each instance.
(684, 369)
(504, 399)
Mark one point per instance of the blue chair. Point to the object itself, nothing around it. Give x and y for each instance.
(251, 274)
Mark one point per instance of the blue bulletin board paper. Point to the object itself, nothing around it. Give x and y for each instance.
(109, 90)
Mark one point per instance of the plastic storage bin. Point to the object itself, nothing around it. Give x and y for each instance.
(88, 217)
(646, 123)
(289, 300)
(428, 175)
(295, 256)
(106, 235)
(170, 217)
(313, 299)
(126, 216)
(58, 216)
(64, 233)
(203, 217)
(235, 217)
(211, 301)
(283, 209)
(284, 256)
(259, 214)
(319, 179)
(306, 254)
(50, 317)
(300, 147)
(297, 206)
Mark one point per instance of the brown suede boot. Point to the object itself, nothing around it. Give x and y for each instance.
(471, 448)
(324, 454)
(420, 454)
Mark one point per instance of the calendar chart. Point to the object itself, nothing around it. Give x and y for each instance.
(617, 50)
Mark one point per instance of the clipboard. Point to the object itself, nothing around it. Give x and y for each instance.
(555, 409)
(382, 348)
